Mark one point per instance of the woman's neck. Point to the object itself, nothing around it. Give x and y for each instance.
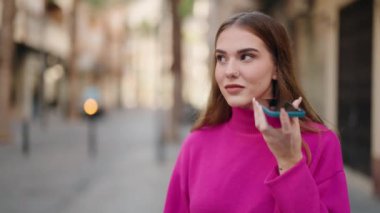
(242, 120)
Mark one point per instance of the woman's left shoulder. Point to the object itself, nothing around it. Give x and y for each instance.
(321, 137)
(326, 152)
(320, 131)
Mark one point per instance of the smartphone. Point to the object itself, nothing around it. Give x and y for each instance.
(289, 108)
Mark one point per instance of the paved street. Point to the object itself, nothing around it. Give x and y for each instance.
(58, 175)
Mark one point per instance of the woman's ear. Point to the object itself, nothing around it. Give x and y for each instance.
(274, 76)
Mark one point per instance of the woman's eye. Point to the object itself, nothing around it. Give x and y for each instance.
(220, 58)
(246, 57)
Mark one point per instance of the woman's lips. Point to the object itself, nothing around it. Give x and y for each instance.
(234, 88)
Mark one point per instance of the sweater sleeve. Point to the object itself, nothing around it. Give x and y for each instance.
(322, 188)
(177, 199)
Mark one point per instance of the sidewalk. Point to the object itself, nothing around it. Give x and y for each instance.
(361, 195)
(59, 176)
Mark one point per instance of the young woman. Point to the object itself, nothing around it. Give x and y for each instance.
(239, 160)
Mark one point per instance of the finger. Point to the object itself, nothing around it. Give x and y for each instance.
(295, 123)
(254, 103)
(296, 103)
(285, 121)
(260, 120)
(255, 111)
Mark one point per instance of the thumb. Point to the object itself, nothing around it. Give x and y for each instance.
(296, 103)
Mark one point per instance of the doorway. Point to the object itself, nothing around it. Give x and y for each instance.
(354, 94)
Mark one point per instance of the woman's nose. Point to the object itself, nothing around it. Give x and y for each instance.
(232, 70)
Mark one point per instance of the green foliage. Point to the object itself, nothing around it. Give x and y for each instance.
(186, 8)
(96, 3)
(146, 28)
(102, 3)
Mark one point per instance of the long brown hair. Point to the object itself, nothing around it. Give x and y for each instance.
(276, 39)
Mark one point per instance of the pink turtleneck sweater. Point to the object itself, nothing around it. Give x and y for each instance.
(229, 169)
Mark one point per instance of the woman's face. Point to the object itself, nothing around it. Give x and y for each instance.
(244, 67)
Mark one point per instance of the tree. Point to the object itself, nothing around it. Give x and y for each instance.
(72, 71)
(180, 9)
(6, 60)
(176, 68)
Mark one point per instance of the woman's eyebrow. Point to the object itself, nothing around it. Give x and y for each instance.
(220, 51)
(239, 51)
(248, 50)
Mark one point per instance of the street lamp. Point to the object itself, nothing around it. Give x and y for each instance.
(90, 107)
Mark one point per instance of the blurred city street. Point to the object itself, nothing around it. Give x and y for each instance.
(59, 176)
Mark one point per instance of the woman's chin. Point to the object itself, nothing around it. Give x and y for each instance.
(241, 104)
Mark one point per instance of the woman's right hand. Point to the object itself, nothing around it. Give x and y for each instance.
(285, 143)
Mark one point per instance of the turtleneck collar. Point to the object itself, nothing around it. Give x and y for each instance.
(243, 121)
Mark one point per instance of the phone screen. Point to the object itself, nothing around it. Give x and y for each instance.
(272, 108)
